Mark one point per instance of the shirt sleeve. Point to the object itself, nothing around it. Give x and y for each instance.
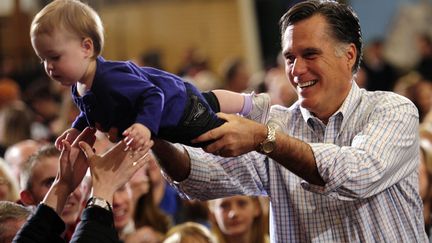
(221, 177)
(384, 152)
(43, 226)
(80, 122)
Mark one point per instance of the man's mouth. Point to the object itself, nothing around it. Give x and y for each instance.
(307, 84)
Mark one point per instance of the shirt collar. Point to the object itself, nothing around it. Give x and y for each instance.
(345, 109)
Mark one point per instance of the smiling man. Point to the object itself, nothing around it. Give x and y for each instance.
(37, 178)
(340, 165)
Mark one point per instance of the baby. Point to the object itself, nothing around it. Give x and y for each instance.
(121, 98)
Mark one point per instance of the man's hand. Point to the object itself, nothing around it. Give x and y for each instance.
(114, 168)
(237, 136)
(73, 164)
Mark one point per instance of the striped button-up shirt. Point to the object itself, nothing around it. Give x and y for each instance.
(367, 154)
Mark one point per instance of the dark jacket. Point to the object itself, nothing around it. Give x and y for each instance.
(97, 225)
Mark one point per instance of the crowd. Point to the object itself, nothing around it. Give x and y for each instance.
(91, 189)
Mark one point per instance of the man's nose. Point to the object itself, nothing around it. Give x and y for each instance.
(299, 67)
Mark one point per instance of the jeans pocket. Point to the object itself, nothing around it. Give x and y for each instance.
(198, 114)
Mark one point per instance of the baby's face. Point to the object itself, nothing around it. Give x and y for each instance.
(65, 56)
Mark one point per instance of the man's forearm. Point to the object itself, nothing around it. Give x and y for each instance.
(176, 163)
(56, 198)
(296, 156)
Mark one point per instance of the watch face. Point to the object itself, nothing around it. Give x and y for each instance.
(268, 147)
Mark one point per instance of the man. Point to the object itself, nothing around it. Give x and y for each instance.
(17, 155)
(37, 178)
(343, 168)
(12, 217)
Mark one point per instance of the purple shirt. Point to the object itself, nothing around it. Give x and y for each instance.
(123, 93)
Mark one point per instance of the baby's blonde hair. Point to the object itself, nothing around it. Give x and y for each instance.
(73, 16)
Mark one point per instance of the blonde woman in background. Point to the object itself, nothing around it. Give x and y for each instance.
(238, 219)
(8, 185)
(189, 232)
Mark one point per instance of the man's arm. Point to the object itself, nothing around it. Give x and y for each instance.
(175, 163)
(297, 156)
(239, 136)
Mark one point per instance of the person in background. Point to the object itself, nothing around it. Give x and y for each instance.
(18, 154)
(189, 232)
(36, 180)
(238, 219)
(424, 47)
(12, 218)
(8, 184)
(147, 212)
(277, 85)
(97, 224)
(379, 73)
(340, 165)
(235, 75)
(15, 125)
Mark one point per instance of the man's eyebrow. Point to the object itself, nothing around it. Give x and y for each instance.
(312, 49)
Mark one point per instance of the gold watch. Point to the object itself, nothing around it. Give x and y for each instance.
(268, 145)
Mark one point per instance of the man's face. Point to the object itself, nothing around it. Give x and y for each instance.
(44, 173)
(122, 207)
(320, 74)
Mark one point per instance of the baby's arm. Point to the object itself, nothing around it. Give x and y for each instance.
(252, 106)
(136, 136)
(69, 135)
(229, 102)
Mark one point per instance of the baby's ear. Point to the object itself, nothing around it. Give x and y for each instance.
(87, 45)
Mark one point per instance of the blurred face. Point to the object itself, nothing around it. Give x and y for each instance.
(16, 156)
(139, 183)
(235, 215)
(122, 207)
(13, 227)
(4, 188)
(73, 206)
(320, 74)
(65, 56)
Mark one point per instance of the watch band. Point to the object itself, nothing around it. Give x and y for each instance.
(98, 202)
(268, 145)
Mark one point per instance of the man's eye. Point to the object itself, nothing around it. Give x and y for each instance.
(290, 59)
(310, 55)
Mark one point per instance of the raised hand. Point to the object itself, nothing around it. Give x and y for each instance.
(114, 168)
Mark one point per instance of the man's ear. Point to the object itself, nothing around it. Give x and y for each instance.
(351, 54)
(87, 45)
(27, 198)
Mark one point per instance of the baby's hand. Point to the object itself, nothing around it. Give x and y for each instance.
(136, 136)
(69, 135)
